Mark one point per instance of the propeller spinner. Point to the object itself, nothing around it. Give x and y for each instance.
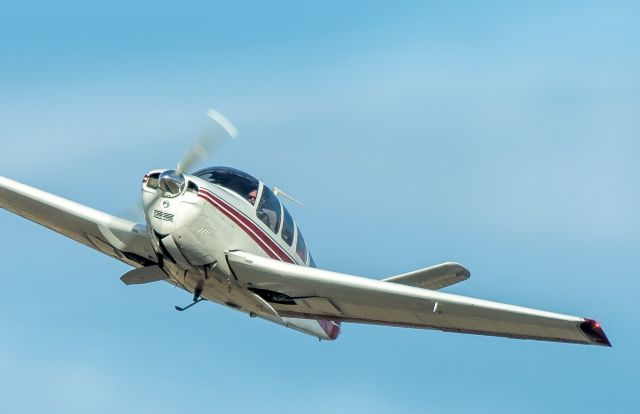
(171, 182)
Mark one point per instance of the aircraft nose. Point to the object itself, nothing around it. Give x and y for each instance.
(169, 201)
(172, 220)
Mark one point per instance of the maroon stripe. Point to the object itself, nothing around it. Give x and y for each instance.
(331, 328)
(238, 222)
(266, 239)
(245, 224)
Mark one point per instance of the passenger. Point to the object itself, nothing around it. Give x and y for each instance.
(252, 196)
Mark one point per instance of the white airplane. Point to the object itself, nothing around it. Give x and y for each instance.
(225, 237)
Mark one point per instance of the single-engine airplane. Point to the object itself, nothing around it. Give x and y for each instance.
(225, 237)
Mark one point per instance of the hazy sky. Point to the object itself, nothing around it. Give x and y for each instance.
(500, 135)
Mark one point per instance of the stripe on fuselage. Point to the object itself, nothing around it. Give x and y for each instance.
(252, 229)
(266, 243)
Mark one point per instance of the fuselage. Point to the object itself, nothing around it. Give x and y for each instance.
(219, 210)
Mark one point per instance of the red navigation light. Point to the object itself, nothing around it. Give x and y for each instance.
(594, 332)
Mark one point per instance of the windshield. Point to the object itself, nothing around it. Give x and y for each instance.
(237, 181)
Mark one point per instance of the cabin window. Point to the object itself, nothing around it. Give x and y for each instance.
(301, 248)
(287, 228)
(269, 209)
(237, 181)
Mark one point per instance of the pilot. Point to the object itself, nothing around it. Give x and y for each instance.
(252, 196)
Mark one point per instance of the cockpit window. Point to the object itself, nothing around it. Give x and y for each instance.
(301, 248)
(235, 180)
(287, 228)
(269, 209)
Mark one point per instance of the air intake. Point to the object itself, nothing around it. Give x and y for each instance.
(162, 216)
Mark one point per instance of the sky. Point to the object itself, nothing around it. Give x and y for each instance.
(501, 135)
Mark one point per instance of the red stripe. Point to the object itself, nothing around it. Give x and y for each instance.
(251, 234)
(257, 234)
(331, 328)
(247, 225)
(256, 229)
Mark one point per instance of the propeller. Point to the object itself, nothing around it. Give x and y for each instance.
(215, 134)
(217, 131)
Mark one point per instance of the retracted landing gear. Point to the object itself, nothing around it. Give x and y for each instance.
(196, 299)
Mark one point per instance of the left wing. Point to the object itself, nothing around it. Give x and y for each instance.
(304, 292)
(122, 239)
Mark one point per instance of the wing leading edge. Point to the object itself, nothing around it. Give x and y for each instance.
(113, 236)
(304, 292)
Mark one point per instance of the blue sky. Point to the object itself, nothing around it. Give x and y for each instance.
(500, 135)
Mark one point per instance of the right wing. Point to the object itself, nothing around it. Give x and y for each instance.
(305, 292)
(121, 239)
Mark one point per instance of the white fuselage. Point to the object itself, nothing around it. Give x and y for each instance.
(193, 230)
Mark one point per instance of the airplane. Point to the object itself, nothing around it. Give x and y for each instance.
(225, 237)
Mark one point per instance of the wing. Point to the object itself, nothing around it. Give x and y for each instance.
(434, 277)
(113, 236)
(305, 292)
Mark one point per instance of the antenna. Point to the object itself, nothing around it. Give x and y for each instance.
(278, 191)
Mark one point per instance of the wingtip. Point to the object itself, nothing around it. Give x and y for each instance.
(464, 273)
(331, 328)
(593, 330)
